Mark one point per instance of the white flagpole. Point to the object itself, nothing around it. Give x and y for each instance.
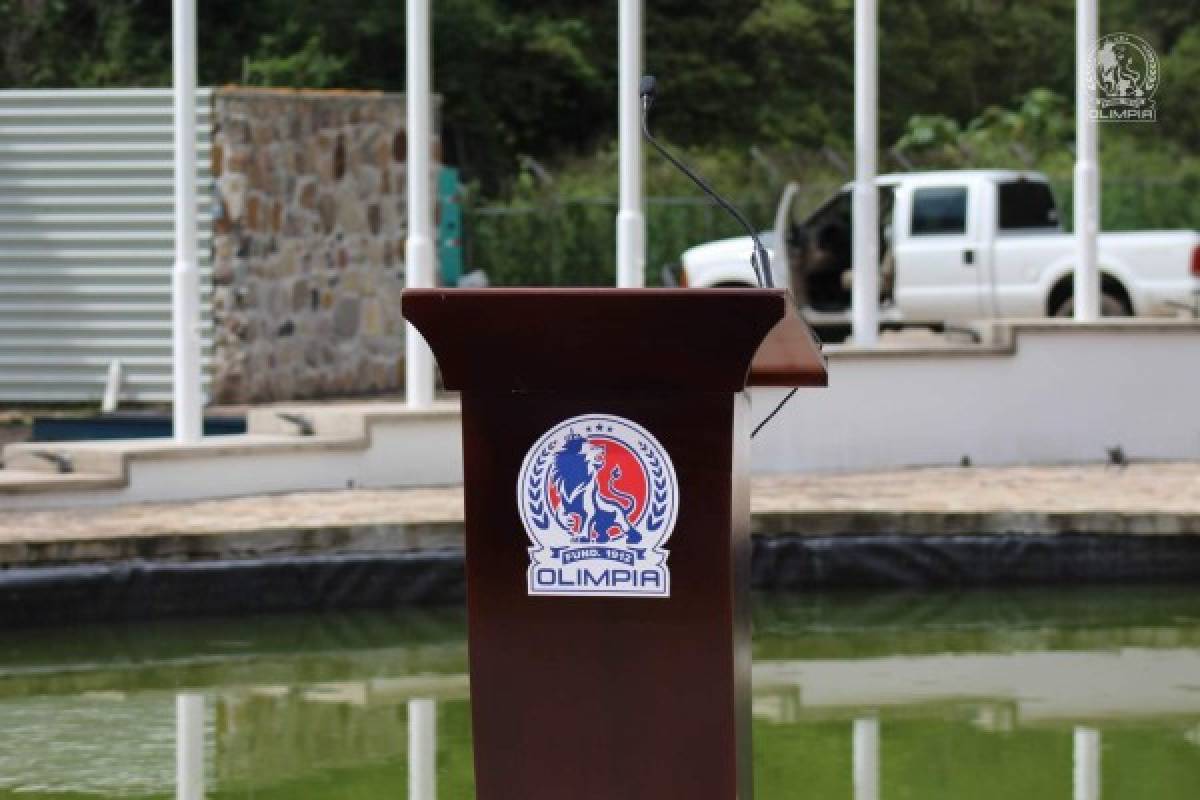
(1087, 170)
(418, 248)
(631, 220)
(187, 411)
(864, 295)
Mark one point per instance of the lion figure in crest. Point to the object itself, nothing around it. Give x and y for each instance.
(586, 510)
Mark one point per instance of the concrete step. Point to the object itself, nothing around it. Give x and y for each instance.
(20, 480)
(335, 419)
(110, 457)
(289, 447)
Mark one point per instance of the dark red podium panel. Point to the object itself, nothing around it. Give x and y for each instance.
(606, 439)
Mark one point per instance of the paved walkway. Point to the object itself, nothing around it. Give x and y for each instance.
(1152, 498)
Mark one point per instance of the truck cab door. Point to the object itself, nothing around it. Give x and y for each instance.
(941, 267)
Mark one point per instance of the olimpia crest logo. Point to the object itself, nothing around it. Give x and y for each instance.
(598, 497)
(1123, 72)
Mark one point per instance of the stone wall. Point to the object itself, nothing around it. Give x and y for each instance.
(308, 245)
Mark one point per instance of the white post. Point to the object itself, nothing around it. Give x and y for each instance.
(418, 248)
(187, 411)
(422, 749)
(866, 759)
(1087, 169)
(189, 747)
(1087, 764)
(864, 296)
(112, 387)
(631, 221)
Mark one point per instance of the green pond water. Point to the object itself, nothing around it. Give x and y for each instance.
(1021, 694)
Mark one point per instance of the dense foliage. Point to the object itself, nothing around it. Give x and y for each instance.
(758, 91)
(537, 77)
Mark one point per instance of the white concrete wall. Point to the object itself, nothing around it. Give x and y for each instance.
(1050, 394)
(1046, 393)
(398, 455)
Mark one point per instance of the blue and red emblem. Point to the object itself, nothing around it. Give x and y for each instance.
(598, 497)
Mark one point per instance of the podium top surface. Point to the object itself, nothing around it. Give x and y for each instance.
(615, 339)
(790, 355)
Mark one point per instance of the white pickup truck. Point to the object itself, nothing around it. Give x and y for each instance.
(958, 246)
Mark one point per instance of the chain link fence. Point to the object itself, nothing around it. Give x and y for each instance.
(1137, 204)
(572, 241)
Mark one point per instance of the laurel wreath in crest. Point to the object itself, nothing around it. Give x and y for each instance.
(659, 488)
(538, 513)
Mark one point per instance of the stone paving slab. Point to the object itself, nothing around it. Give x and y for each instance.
(1138, 488)
(1171, 488)
(1140, 499)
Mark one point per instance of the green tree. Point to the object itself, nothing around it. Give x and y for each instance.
(537, 78)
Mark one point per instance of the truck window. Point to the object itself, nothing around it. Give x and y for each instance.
(1025, 204)
(939, 211)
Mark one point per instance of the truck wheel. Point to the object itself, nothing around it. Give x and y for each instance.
(1111, 305)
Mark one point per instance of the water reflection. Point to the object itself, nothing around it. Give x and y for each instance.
(1031, 695)
(422, 748)
(189, 746)
(238, 741)
(1087, 764)
(866, 759)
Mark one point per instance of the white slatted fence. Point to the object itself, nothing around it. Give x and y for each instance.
(86, 242)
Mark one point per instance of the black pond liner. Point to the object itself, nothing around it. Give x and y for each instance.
(790, 563)
(130, 590)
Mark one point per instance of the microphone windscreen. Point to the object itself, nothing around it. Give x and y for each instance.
(648, 86)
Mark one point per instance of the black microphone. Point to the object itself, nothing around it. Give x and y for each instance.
(759, 259)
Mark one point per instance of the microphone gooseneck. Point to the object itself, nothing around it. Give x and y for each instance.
(759, 259)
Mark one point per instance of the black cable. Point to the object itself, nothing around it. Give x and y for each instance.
(771, 416)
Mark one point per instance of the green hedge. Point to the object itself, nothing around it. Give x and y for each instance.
(573, 242)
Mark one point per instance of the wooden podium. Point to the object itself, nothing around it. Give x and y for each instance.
(605, 451)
